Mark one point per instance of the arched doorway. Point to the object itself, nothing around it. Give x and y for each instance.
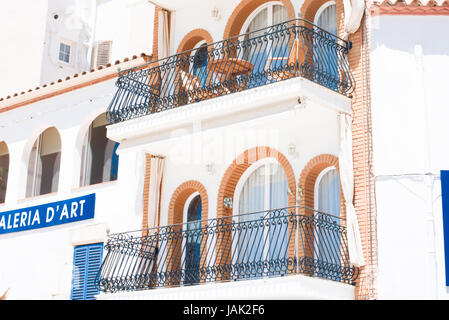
(260, 48)
(192, 239)
(327, 244)
(326, 56)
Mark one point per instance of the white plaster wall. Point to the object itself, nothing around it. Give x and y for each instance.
(312, 130)
(128, 24)
(37, 264)
(409, 66)
(75, 24)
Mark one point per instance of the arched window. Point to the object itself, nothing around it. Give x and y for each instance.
(265, 188)
(4, 168)
(44, 163)
(99, 157)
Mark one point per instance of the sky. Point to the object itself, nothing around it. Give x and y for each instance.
(22, 30)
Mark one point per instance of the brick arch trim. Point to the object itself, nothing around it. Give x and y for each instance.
(179, 198)
(310, 173)
(244, 9)
(192, 38)
(234, 172)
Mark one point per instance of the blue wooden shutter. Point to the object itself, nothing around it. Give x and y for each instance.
(86, 264)
(445, 200)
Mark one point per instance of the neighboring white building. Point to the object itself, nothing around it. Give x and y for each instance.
(409, 110)
(52, 39)
(296, 144)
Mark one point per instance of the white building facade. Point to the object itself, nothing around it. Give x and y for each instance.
(408, 67)
(248, 157)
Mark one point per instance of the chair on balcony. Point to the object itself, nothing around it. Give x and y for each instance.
(136, 96)
(292, 61)
(154, 82)
(192, 87)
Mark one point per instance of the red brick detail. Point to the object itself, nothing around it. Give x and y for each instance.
(179, 197)
(244, 9)
(362, 153)
(146, 191)
(243, 162)
(227, 189)
(175, 217)
(309, 174)
(306, 182)
(192, 38)
(69, 88)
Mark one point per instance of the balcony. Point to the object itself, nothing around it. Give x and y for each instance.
(269, 244)
(295, 48)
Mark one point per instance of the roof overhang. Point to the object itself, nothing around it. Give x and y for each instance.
(173, 5)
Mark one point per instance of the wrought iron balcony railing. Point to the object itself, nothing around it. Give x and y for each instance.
(295, 48)
(280, 242)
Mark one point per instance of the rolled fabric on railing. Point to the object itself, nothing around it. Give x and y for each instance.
(347, 184)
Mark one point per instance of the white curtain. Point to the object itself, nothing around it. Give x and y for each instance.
(278, 187)
(329, 193)
(278, 233)
(279, 14)
(252, 199)
(268, 182)
(156, 172)
(328, 19)
(259, 21)
(327, 243)
(347, 184)
(164, 36)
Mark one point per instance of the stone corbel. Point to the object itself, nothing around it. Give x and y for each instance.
(353, 10)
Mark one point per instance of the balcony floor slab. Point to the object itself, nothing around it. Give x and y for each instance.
(295, 287)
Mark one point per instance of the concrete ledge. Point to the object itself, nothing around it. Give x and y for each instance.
(93, 233)
(282, 288)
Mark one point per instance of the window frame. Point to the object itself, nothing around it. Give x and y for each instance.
(267, 189)
(86, 157)
(72, 46)
(37, 160)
